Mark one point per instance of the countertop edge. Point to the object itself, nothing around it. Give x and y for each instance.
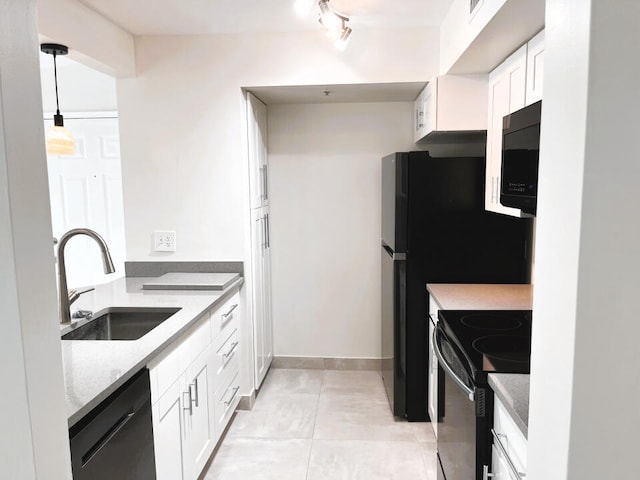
(80, 413)
(510, 392)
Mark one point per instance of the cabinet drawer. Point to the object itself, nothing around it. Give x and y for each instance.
(225, 355)
(511, 437)
(226, 401)
(223, 315)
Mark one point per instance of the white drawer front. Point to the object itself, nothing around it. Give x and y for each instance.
(226, 354)
(227, 398)
(511, 437)
(224, 315)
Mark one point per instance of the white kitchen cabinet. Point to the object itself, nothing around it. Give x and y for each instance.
(535, 68)
(514, 84)
(507, 85)
(451, 103)
(257, 150)
(432, 400)
(184, 381)
(167, 433)
(199, 432)
(509, 448)
(262, 312)
(260, 254)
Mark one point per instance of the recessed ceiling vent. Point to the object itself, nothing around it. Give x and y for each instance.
(473, 4)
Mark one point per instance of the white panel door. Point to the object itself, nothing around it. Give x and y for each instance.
(266, 282)
(258, 241)
(535, 68)
(199, 438)
(257, 149)
(86, 191)
(168, 433)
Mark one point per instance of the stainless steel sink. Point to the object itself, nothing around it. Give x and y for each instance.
(121, 324)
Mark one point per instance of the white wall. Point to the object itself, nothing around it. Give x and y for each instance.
(324, 163)
(183, 128)
(584, 415)
(33, 428)
(80, 88)
(182, 122)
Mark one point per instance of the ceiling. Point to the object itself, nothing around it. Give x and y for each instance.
(192, 17)
(357, 93)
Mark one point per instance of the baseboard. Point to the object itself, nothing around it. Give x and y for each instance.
(247, 401)
(318, 363)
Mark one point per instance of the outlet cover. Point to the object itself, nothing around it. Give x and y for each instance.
(164, 241)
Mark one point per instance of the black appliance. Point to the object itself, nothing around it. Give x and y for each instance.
(435, 230)
(115, 440)
(520, 154)
(470, 345)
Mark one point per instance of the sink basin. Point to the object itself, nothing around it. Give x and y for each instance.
(121, 324)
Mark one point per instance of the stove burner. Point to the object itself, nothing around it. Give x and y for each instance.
(504, 348)
(490, 321)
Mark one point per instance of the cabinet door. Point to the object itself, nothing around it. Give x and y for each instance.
(506, 95)
(267, 325)
(257, 151)
(198, 421)
(499, 466)
(168, 434)
(258, 240)
(535, 68)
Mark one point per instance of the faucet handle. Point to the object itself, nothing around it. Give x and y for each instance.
(73, 296)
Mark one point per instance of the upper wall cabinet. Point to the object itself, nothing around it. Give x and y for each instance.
(258, 159)
(535, 68)
(451, 103)
(515, 83)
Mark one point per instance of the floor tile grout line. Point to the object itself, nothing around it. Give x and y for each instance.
(315, 422)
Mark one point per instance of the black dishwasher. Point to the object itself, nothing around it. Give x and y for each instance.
(115, 440)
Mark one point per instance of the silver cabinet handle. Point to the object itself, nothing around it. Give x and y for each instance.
(231, 351)
(195, 387)
(189, 407)
(266, 181)
(262, 193)
(503, 451)
(235, 392)
(469, 392)
(230, 312)
(485, 473)
(264, 231)
(267, 230)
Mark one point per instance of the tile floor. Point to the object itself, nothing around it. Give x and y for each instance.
(321, 425)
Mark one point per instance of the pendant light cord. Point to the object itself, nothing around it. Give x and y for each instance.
(55, 76)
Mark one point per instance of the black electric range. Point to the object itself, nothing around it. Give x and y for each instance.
(469, 345)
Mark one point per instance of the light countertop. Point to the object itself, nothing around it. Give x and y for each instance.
(481, 296)
(94, 369)
(513, 391)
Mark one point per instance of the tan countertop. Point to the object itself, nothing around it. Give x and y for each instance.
(451, 296)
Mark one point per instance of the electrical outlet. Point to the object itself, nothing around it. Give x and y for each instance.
(164, 241)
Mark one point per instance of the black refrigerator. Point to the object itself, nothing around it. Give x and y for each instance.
(435, 230)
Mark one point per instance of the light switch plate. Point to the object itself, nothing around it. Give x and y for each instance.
(164, 241)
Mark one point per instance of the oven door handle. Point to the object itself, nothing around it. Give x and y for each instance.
(468, 391)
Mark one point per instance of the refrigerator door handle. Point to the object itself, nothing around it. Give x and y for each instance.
(445, 366)
(394, 256)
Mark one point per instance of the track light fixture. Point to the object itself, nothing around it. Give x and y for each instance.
(59, 139)
(334, 24)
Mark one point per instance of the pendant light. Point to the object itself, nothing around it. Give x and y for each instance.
(59, 139)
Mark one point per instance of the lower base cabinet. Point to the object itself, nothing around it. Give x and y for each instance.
(194, 390)
(509, 449)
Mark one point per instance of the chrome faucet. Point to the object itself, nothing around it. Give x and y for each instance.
(65, 300)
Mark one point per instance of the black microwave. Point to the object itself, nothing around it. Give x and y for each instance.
(520, 154)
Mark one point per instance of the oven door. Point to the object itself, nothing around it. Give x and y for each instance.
(457, 432)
